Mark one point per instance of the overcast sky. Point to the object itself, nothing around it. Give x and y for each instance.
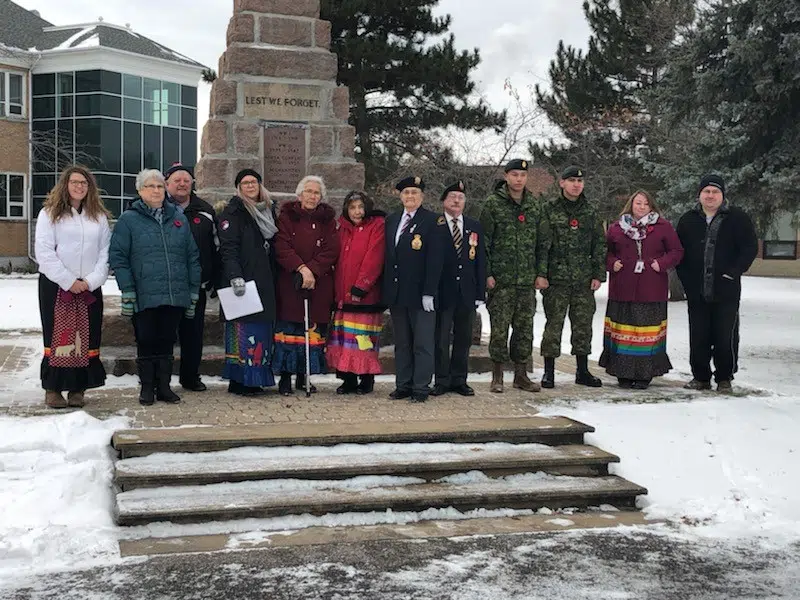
(516, 38)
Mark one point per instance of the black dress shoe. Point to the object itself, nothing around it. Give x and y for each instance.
(285, 385)
(419, 397)
(548, 380)
(639, 384)
(399, 394)
(300, 384)
(463, 389)
(625, 383)
(194, 386)
(438, 390)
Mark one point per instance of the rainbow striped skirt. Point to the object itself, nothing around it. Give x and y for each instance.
(635, 340)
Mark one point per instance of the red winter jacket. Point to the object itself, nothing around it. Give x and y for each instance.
(661, 244)
(309, 238)
(361, 253)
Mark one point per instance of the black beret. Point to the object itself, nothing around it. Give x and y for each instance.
(244, 173)
(178, 167)
(410, 182)
(458, 186)
(712, 180)
(517, 164)
(572, 171)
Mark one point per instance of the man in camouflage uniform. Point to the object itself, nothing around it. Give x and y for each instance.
(510, 219)
(571, 267)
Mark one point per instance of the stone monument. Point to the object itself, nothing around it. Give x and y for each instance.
(275, 105)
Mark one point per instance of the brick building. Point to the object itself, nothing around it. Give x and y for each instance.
(93, 93)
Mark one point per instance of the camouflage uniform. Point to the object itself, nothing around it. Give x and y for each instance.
(511, 236)
(572, 252)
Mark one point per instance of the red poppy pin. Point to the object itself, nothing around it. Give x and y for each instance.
(224, 225)
(521, 218)
(177, 222)
(574, 223)
(650, 229)
(196, 220)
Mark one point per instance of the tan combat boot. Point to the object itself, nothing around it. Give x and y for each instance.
(76, 399)
(521, 380)
(497, 378)
(54, 399)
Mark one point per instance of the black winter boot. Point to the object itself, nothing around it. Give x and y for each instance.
(163, 375)
(285, 384)
(367, 384)
(349, 383)
(147, 374)
(583, 376)
(300, 384)
(549, 376)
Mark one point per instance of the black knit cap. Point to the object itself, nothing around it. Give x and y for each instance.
(517, 164)
(458, 186)
(410, 182)
(178, 167)
(244, 173)
(572, 171)
(712, 180)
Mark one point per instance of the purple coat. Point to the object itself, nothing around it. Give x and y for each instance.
(661, 244)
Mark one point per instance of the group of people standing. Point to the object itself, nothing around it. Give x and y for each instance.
(325, 282)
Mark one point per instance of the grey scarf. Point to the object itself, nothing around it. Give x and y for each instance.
(262, 215)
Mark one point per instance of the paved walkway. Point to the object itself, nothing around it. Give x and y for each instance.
(19, 357)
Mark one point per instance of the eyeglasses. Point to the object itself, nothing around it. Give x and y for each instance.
(312, 193)
(77, 183)
(153, 186)
(249, 183)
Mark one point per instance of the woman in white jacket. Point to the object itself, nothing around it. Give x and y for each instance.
(72, 238)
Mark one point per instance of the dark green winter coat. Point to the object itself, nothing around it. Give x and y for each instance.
(160, 262)
(572, 244)
(511, 235)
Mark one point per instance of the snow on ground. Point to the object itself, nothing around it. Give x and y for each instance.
(718, 467)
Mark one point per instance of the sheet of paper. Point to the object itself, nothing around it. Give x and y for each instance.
(240, 306)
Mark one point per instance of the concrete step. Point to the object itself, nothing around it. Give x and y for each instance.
(426, 461)
(550, 430)
(265, 499)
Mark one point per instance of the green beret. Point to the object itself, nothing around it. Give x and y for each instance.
(518, 164)
(572, 171)
(458, 186)
(410, 182)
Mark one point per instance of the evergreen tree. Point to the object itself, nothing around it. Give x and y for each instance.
(405, 80)
(601, 99)
(731, 104)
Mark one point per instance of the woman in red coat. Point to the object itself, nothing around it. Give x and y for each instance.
(306, 249)
(354, 339)
(642, 247)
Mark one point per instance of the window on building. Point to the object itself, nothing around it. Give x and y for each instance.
(780, 250)
(115, 123)
(12, 94)
(12, 196)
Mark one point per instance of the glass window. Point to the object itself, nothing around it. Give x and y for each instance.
(173, 115)
(172, 148)
(129, 187)
(44, 85)
(188, 147)
(780, 250)
(87, 81)
(170, 92)
(43, 146)
(151, 89)
(66, 106)
(42, 184)
(188, 95)
(66, 145)
(151, 112)
(111, 147)
(189, 118)
(98, 105)
(131, 148)
(132, 86)
(114, 205)
(132, 109)
(16, 195)
(111, 82)
(44, 108)
(87, 138)
(3, 196)
(109, 184)
(38, 203)
(15, 94)
(66, 83)
(2, 94)
(152, 147)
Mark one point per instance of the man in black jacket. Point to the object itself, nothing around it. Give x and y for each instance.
(720, 244)
(411, 271)
(203, 223)
(461, 290)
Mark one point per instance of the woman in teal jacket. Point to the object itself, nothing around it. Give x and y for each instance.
(157, 266)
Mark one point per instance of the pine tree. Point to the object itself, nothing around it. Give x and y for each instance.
(732, 105)
(600, 99)
(405, 80)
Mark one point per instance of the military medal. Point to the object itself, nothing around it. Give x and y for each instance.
(416, 243)
(472, 253)
(574, 224)
(440, 221)
(473, 239)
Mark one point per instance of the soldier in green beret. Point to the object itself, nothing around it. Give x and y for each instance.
(510, 219)
(571, 268)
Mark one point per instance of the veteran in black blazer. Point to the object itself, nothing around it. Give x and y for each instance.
(461, 289)
(411, 273)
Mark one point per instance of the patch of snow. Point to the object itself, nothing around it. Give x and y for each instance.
(67, 43)
(561, 522)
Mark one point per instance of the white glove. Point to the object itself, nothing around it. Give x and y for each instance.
(479, 303)
(237, 283)
(427, 303)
